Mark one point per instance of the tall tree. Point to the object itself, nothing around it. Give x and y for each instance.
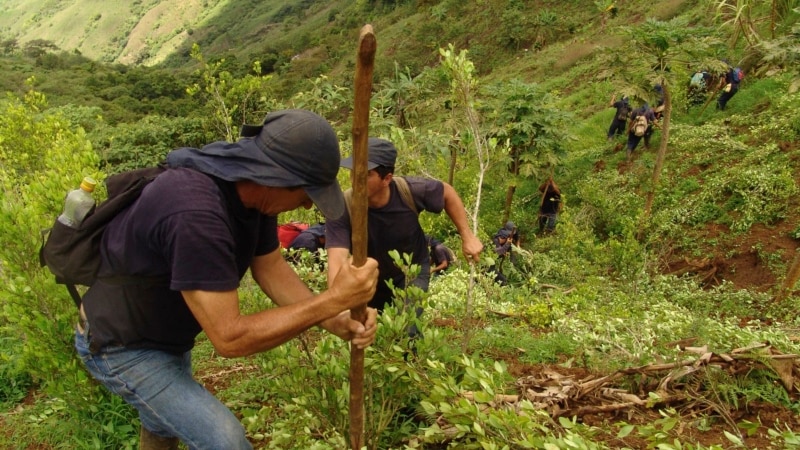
(461, 74)
(527, 118)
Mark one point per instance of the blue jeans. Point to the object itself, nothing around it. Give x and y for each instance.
(170, 402)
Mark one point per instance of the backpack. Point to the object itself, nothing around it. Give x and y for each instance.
(640, 125)
(73, 254)
(698, 80)
(288, 231)
(402, 187)
(622, 113)
(737, 75)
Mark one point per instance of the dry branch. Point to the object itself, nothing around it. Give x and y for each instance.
(563, 395)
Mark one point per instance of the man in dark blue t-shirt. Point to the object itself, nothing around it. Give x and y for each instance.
(729, 86)
(620, 121)
(190, 238)
(393, 225)
(439, 256)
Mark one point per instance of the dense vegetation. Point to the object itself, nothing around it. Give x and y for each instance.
(646, 264)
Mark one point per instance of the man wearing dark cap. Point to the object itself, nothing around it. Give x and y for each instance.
(512, 238)
(392, 223)
(172, 263)
(623, 107)
(502, 248)
(440, 256)
(514, 232)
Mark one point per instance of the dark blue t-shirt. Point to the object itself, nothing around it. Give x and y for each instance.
(393, 227)
(188, 228)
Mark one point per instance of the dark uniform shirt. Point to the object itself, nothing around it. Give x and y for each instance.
(393, 227)
(190, 230)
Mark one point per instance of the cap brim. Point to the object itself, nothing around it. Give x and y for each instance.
(347, 163)
(329, 199)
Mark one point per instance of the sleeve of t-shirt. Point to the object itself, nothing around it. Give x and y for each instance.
(268, 240)
(337, 232)
(428, 194)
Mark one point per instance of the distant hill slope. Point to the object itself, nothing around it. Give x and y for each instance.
(140, 31)
(149, 32)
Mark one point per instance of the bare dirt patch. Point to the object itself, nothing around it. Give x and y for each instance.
(748, 261)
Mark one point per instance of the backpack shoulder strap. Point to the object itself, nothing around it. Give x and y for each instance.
(348, 199)
(402, 187)
(405, 193)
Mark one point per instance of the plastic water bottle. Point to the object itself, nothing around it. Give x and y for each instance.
(79, 202)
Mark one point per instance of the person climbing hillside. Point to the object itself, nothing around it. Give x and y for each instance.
(620, 120)
(440, 255)
(642, 119)
(394, 206)
(509, 228)
(312, 240)
(550, 206)
(698, 86)
(502, 249)
(730, 86)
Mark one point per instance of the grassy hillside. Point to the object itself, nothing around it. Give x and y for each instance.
(572, 50)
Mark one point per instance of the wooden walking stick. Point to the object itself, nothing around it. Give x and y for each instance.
(711, 97)
(358, 216)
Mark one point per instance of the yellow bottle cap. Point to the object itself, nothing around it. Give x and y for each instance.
(88, 184)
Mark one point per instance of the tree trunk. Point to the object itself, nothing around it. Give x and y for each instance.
(660, 156)
(791, 279)
(453, 157)
(509, 198)
(513, 169)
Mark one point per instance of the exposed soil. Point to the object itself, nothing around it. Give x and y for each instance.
(743, 261)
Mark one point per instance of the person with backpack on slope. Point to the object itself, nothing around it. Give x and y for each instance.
(653, 118)
(513, 239)
(620, 121)
(440, 256)
(287, 232)
(200, 226)
(698, 87)
(393, 223)
(312, 240)
(730, 86)
(642, 119)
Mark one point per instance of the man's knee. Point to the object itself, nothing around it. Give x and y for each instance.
(230, 435)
